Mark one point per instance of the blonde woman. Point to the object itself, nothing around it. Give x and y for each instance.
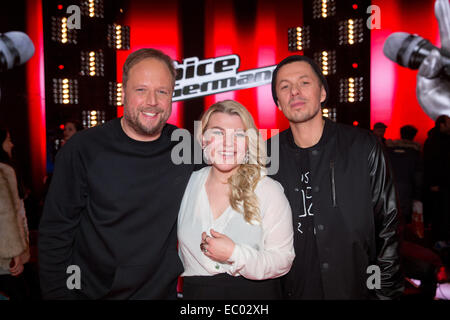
(235, 223)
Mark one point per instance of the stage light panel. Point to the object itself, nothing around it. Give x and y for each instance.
(92, 118)
(65, 91)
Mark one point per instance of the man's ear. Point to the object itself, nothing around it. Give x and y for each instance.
(123, 96)
(323, 93)
(278, 105)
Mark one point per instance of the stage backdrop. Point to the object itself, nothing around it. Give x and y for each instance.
(393, 94)
(256, 31)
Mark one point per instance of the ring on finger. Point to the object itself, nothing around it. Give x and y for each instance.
(202, 247)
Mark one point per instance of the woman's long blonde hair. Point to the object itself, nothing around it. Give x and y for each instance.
(243, 183)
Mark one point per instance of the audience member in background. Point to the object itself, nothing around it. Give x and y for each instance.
(379, 130)
(70, 128)
(437, 180)
(418, 262)
(407, 134)
(14, 248)
(405, 159)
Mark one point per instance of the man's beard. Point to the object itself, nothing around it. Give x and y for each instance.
(299, 117)
(134, 122)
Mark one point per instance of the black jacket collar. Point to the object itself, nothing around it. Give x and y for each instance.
(328, 131)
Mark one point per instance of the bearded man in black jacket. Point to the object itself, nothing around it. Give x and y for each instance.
(341, 192)
(109, 227)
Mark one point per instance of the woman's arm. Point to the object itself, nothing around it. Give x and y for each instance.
(275, 258)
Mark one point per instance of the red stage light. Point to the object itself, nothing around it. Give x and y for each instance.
(355, 123)
(60, 67)
(61, 126)
(442, 275)
(355, 66)
(60, 6)
(36, 94)
(355, 6)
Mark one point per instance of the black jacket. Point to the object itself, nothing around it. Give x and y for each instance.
(407, 169)
(437, 159)
(355, 212)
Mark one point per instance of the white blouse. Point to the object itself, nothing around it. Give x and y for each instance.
(262, 251)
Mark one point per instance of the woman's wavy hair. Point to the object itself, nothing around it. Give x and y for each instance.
(243, 183)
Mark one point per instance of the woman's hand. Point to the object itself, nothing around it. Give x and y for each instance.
(218, 246)
(17, 268)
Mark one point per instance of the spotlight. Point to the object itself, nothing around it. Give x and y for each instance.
(327, 61)
(323, 9)
(329, 113)
(60, 32)
(92, 118)
(118, 37)
(92, 63)
(351, 31)
(65, 91)
(93, 8)
(115, 94)
(351, 90)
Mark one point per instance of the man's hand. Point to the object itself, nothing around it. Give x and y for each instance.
(432, 90)
(218, 246)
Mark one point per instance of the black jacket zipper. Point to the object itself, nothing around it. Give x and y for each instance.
(333, 185)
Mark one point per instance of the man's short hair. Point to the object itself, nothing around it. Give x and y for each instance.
(146, 53)
(379, 125)
(296, 58)
(440, 120)
(408, 132)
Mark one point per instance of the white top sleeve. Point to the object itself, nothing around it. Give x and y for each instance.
(276, 256)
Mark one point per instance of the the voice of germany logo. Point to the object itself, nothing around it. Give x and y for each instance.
(197, 78)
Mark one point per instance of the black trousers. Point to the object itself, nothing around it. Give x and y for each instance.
(15, 288)
(437, 211)
(225, 287)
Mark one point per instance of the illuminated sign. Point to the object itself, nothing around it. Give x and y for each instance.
(197, 78)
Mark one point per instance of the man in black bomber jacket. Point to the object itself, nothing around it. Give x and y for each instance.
(342, 196)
